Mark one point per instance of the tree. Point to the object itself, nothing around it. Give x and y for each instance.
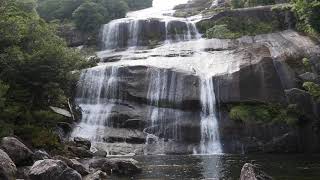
(308, 13)
(36, 65)
(89, 16)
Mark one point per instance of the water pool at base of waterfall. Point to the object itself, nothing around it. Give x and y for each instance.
(227, 167)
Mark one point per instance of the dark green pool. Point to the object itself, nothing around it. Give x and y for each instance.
(281, 167)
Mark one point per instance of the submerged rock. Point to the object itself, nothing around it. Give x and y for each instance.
(253, 172)
(52, 170)
(18, 152)
(8, 169)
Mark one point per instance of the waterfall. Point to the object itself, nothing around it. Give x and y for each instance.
(164, 88)
(166, 109)
(97, 90)
(210, 142)
(128, 32)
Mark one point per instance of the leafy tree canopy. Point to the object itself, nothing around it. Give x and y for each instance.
(35, 68)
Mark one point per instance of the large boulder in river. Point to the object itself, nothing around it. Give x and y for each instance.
(18, 152)
(118, 166)
(8, 169)
(253, 172)
(52, 170)
(122, 166)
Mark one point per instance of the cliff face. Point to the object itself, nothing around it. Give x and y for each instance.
(152, 98)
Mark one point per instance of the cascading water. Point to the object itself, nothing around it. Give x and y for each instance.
(164, 86)
(99, 90)
(96, 89)
(210, 142)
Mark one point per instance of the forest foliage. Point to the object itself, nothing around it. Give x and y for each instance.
(35, 73)
(307, 12)
(88, 15)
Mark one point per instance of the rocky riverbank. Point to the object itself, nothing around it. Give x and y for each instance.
(20, 162)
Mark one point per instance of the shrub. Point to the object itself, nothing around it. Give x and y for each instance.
(313, 89)
(233, 27)
(38, 137)
(262, 113)
(221, 32)
(308, 13)
(307, 65)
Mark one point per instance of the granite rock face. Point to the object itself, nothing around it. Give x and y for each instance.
(18, 152)
(8, 169)
(52, 170)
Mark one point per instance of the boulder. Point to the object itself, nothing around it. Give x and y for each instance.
(308, 76)
(98, 175)
(74, 164)
(81, 152)
(40, 155)
(8, 169)
(70, 174)
(253, 172)
(23, 172)
(118, 166)
(49, 169)
(82, 142)
(18, 152)
(99, 152)
(61, 112)
(121, 166)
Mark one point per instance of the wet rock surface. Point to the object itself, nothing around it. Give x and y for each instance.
(18, 152)
(253, 172)
(82, 142)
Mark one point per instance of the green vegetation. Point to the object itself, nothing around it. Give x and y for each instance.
(313, 89)
(308, 14)
(35, 73)
(250, 3)
(233, 27)
(265, 113)
(139, 4)
(222, 32)
(88, 15)
(306, 64)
